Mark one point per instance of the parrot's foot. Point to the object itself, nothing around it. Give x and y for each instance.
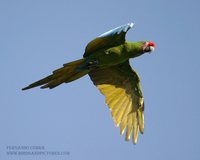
(92, 64)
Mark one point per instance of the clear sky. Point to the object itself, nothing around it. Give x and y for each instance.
(37, 37)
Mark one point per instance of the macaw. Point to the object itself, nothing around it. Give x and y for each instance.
(106, 61)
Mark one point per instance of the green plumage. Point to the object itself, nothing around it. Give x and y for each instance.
(106, 60)
(117, 54)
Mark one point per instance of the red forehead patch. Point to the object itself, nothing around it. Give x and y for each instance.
(151, 44)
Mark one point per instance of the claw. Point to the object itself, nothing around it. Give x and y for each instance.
(92, 64)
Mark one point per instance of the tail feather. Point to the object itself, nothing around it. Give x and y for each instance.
(64, 79)
(65, 74)
(69, 66)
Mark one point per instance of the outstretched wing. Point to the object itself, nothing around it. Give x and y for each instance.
(111, 38)
(121, 87)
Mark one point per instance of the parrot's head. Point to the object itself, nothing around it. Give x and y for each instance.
(141, 47)
(148, 47)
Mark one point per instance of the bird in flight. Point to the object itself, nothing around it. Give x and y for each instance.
(106, 61)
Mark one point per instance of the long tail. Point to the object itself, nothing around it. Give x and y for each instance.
(67, 73)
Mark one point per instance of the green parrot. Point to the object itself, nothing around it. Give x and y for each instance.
(106, 61)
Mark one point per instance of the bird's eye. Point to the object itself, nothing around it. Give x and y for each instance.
(147, 49)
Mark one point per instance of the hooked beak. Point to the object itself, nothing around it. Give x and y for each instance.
(151, 49)
(148, 47)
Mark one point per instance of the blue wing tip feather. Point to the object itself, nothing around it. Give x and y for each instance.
(131, 24)
(118, 30)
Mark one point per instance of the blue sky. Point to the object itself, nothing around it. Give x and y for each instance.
(37, 37)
